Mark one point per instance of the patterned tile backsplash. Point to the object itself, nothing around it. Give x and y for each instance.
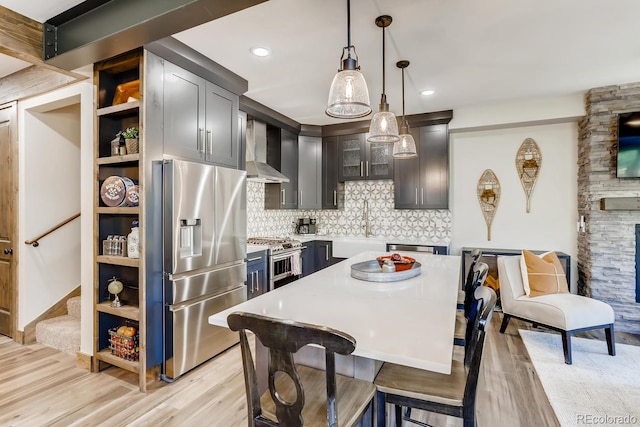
(429, 226)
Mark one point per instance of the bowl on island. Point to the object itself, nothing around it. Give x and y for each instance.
(401, 263)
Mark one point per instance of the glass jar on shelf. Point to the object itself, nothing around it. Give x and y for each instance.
(133, 241)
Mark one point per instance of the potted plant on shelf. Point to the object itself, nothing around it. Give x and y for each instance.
(131, 136)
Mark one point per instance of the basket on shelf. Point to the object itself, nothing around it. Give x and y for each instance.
(124, 347)
(132, 145)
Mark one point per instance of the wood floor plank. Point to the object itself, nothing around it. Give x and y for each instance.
(41, 386)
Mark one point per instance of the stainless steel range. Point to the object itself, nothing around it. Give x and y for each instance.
(285, 259)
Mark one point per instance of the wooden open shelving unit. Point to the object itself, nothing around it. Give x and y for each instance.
(110, 119)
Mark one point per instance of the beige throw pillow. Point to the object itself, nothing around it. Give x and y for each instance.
(542, 274)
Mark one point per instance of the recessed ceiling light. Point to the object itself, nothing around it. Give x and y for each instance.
(260, 51)
(427, 92)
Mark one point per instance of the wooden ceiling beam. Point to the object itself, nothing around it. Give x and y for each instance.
(21, 38)
(31, 81)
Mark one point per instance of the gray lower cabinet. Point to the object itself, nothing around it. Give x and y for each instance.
(282, 154)
(423, 182)
(316, 255)
(200, 119)
(309, 172)
(308, 258)
(257, 280)
(324, 254)
(359, 159)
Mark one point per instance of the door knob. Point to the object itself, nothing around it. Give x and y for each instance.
(8, 251)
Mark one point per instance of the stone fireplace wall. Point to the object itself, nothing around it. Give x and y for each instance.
(606, 250)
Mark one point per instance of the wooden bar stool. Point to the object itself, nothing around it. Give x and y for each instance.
(299, 395)
(453, 394)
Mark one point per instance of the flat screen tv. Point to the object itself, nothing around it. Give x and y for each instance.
(628, 160)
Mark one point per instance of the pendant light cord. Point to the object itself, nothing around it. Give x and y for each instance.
(403, 95)
(383, 67)
(348, 28)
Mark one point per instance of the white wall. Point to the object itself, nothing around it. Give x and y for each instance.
(56, 181)
(488, 137)
(551, 224)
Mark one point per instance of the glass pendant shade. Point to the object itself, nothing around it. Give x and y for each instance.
(384, 128)
(405, 148)
(348, 96)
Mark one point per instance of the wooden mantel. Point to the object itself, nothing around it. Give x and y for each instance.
(620, 204)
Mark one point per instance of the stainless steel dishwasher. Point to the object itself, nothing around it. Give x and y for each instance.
(436, 250)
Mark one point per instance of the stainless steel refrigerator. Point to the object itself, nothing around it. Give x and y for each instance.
(204, 269)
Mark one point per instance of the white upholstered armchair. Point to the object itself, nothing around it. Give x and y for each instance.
(563, 312)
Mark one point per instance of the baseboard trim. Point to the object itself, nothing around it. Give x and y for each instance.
(19, 337)
(58, 309)
(84, 361)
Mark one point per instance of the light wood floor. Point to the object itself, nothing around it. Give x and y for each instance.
(42, 387)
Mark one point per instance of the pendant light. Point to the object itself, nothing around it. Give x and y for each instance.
(349, 95)
(384, 126)
(406, 147)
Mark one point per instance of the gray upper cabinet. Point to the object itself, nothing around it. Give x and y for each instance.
(200, 119)
(289, 168)
(221, 126)
(309, 172)
(423, 182)
(331, 189)
(358, 159)
(282, 154)
(184, 104)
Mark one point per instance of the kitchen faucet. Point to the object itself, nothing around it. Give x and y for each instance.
(365, 217)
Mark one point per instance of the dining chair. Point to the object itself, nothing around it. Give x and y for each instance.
(476, 254)
(299, 395)
(465, 316)
(453, 394)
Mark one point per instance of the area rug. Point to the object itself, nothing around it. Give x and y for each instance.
(597, 389)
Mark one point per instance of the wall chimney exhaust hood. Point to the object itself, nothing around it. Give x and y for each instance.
(257, 168)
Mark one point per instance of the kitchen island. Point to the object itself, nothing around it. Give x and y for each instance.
(409, 322)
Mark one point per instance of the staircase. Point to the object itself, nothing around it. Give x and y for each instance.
(62, 332)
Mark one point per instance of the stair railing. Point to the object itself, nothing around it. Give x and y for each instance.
(35, 243)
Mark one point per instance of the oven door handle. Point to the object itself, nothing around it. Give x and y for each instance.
(280, 257)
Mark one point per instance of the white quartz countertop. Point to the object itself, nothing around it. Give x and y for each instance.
(256, 248)
(408, 322)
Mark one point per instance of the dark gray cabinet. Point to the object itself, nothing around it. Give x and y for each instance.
(423, 182)
(316, 255)
(282, 154)
(257, 281)
(332, 189)
(309, 172)
(308, 258)
(359, 159)
(200, 119)
(324, 254)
